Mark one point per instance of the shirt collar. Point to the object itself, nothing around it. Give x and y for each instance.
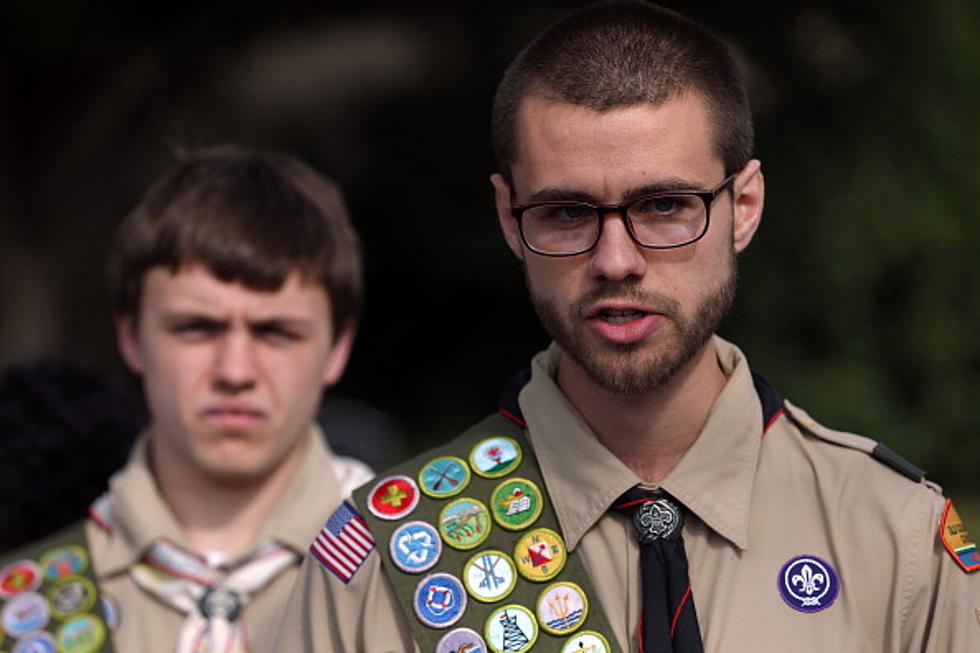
(713, 480)
(140, 516)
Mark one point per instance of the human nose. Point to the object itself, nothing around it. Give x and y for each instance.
(616, 255)
(235, 365)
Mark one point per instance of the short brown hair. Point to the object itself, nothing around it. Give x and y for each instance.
(615, 54)
(248, 216)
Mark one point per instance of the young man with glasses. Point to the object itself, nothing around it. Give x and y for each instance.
(641, 489)
(237, 287)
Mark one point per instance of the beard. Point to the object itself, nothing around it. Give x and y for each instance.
(640, 367)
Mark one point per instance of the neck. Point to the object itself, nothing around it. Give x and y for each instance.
(649, 433)
(217, 514)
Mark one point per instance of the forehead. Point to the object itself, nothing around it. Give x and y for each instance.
(194, 288)
(564, 145)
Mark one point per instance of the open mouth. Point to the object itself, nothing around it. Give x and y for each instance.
(614, 316)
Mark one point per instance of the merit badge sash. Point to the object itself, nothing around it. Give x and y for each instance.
(49, 599)
(470, 542)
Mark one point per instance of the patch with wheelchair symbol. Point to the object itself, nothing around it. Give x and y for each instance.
(808, 584)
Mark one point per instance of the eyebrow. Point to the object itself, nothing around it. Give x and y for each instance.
(672, 184)
(174, 318)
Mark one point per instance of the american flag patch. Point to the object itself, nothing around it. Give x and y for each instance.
(344, 543)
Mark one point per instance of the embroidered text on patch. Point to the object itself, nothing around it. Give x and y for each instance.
(344, 543)
(955, 539)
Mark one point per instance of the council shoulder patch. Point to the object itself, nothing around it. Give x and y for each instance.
(955, 539)
(393, 497)
(343, 544)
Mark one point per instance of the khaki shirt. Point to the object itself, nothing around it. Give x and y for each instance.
(139, 516)
(756, 499)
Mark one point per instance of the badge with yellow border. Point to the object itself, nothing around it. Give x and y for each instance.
(561, 608)
(955, 539)
(587, 641)
(511, 628)
(540, 554)
(64, 561)
(464, 523)
(71, 595)
(495, 457)
(516, 503)
(444, 477)
(489, 576)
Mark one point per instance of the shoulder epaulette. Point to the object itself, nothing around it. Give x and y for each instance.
(875, 449)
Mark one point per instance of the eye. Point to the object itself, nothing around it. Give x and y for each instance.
(566, 214)
(276, 334)
(657, 206)
(197, 329)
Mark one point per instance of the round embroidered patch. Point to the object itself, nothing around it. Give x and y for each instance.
(587, 640)
(110, 608)
(439, 600)
(84, 634)
(562, 607)
(511, 628)
(71, 595)
(35, 642)
(19, 576)
(25, 612)
(461, 640)
(415, 547)
(393, 497)
(808, 584)
(70, 560)
(443, 477)
(516, 503)
(489, 576)
(495, 457)
(540, 554)
(464, 523)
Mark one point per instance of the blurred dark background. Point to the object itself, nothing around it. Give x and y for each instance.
(858, 296)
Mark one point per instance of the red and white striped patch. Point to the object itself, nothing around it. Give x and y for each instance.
(344, 543)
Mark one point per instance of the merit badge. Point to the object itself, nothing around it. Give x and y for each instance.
(110, 608)
(24, 613)
(444, 477)
(84, 634)
(540, 554)
(464, 523)
(461, 640)
(955, 539)
(439, 600)
(511, 628)
(495, 457)
(36, 642)
(489, 576)
(516, 503)
(393, 497)
(415, 547)
(71, 595)
(64, 561)
(562, 607)
(587, 641)
(808, 584)
(20, 576)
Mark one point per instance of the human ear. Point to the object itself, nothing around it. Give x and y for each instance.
(508, 223)
(127, 341)
(339, 354)
(749, 197)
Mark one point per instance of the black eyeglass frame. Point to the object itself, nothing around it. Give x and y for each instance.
(706, 196)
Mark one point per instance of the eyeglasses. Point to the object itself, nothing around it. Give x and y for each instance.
(658, 221)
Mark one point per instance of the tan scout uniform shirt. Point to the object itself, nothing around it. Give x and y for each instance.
(139, 516)
(755, 502)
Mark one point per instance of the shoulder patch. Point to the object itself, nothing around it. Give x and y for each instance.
(955, 539)
(344, 543)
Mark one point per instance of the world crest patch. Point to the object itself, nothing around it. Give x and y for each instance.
(808, 583)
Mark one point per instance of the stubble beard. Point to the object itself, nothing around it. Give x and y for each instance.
(637, 368)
